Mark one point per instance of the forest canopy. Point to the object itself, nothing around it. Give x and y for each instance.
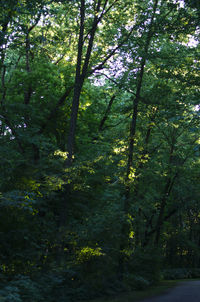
(99, 146)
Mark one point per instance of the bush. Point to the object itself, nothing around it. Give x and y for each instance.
(10, 294)
(136, 282)
(146, 263)
(177, 273)
(181, 273)
(195, 272)
(21, 288)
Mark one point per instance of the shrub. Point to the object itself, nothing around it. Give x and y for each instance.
(10, 294)
(181, 273)
(21, 288)
(136, 282)
(147, 264)
(195, 272)
(177, 273)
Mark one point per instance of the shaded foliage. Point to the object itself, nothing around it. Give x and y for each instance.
(99, 134)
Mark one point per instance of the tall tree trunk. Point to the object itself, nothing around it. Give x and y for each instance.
(136, 99)
(138, 171)
(166, 192)
(81, 73)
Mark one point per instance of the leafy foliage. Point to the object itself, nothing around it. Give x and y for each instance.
(99, 136)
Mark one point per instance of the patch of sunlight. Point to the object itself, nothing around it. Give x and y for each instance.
(121, 163)
(132, 174)
(61, 154)
(21, 2)
(55, 182)
(78, 187)
(85, 105)
(39, 194)
(119, 150)
(144, 158)
(130, 217)
(107, 178)
(86, 253)
(99, 158)
(26, 182)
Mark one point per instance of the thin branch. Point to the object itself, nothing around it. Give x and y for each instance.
(120, 85)
(101, 65)
(106, 113)
(103, 13)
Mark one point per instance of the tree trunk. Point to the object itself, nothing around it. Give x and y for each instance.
(136, 99)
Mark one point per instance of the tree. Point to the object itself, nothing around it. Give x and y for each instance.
(99, 137)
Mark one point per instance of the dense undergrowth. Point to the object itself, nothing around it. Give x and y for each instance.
(69, 286)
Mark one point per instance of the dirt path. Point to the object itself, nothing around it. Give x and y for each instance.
(184, 292)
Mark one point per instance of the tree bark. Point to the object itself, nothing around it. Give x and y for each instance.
(136, 99)
(77, 88)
